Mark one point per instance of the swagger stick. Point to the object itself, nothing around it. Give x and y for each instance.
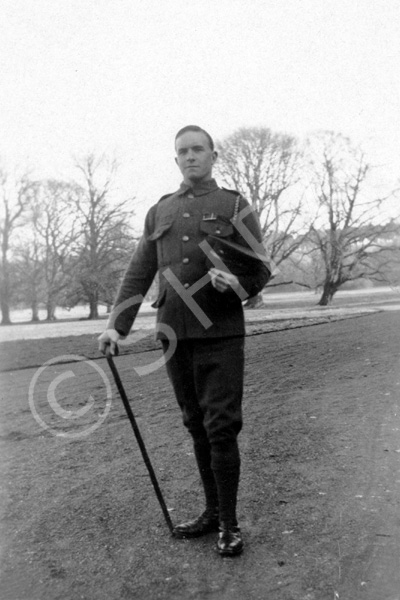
(139, 438)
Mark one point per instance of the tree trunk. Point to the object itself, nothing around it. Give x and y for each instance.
(328, 292)
(5, 280)
(5, 312)
(5, 294)
(51, 310)
(93, 309)
(35, 312)
(254, 302)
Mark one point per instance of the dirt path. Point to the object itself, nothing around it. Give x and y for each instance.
(320, 490)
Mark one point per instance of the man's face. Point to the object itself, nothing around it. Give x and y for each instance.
(194, 156)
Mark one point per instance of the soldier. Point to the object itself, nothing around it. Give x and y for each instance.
(205, 243)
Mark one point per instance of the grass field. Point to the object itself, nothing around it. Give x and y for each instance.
(319, 493)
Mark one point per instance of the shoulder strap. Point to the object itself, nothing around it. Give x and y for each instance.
(236, 209)
(238, 195)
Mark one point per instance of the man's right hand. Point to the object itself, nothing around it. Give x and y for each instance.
(109, 338)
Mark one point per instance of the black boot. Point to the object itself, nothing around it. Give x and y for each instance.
(208, 521)
(202, 452)
(226, 467)
(229, 541)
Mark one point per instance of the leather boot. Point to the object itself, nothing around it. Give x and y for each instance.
(208, 521)
(202, 452)
(229, 541)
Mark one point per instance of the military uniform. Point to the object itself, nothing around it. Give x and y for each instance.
(206, 369)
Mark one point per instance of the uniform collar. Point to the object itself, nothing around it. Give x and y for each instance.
(198, 189)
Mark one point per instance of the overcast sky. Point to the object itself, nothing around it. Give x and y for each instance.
(124, 75)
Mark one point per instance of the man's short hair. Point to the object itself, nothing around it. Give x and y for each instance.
(199, 130)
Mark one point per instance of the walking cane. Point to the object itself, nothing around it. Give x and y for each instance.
(139, 438)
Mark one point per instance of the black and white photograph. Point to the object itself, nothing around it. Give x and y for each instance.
(199, 300)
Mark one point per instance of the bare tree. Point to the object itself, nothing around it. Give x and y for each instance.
(352, 228)
(29, 274)
(56, 224)
(105, 233)
(15, 199)
(265, 166)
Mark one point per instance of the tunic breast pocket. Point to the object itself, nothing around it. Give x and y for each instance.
(160, 230)
(158, 236)
(217, 227)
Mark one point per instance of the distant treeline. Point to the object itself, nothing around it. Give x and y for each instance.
(65, 243)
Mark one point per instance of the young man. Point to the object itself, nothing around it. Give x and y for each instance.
(200, 309)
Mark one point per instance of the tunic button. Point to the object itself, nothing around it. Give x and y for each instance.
(185, 260)
(186, 285)
(186, 215)
(185, 238)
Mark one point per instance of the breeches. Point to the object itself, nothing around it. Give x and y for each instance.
(207, 377)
